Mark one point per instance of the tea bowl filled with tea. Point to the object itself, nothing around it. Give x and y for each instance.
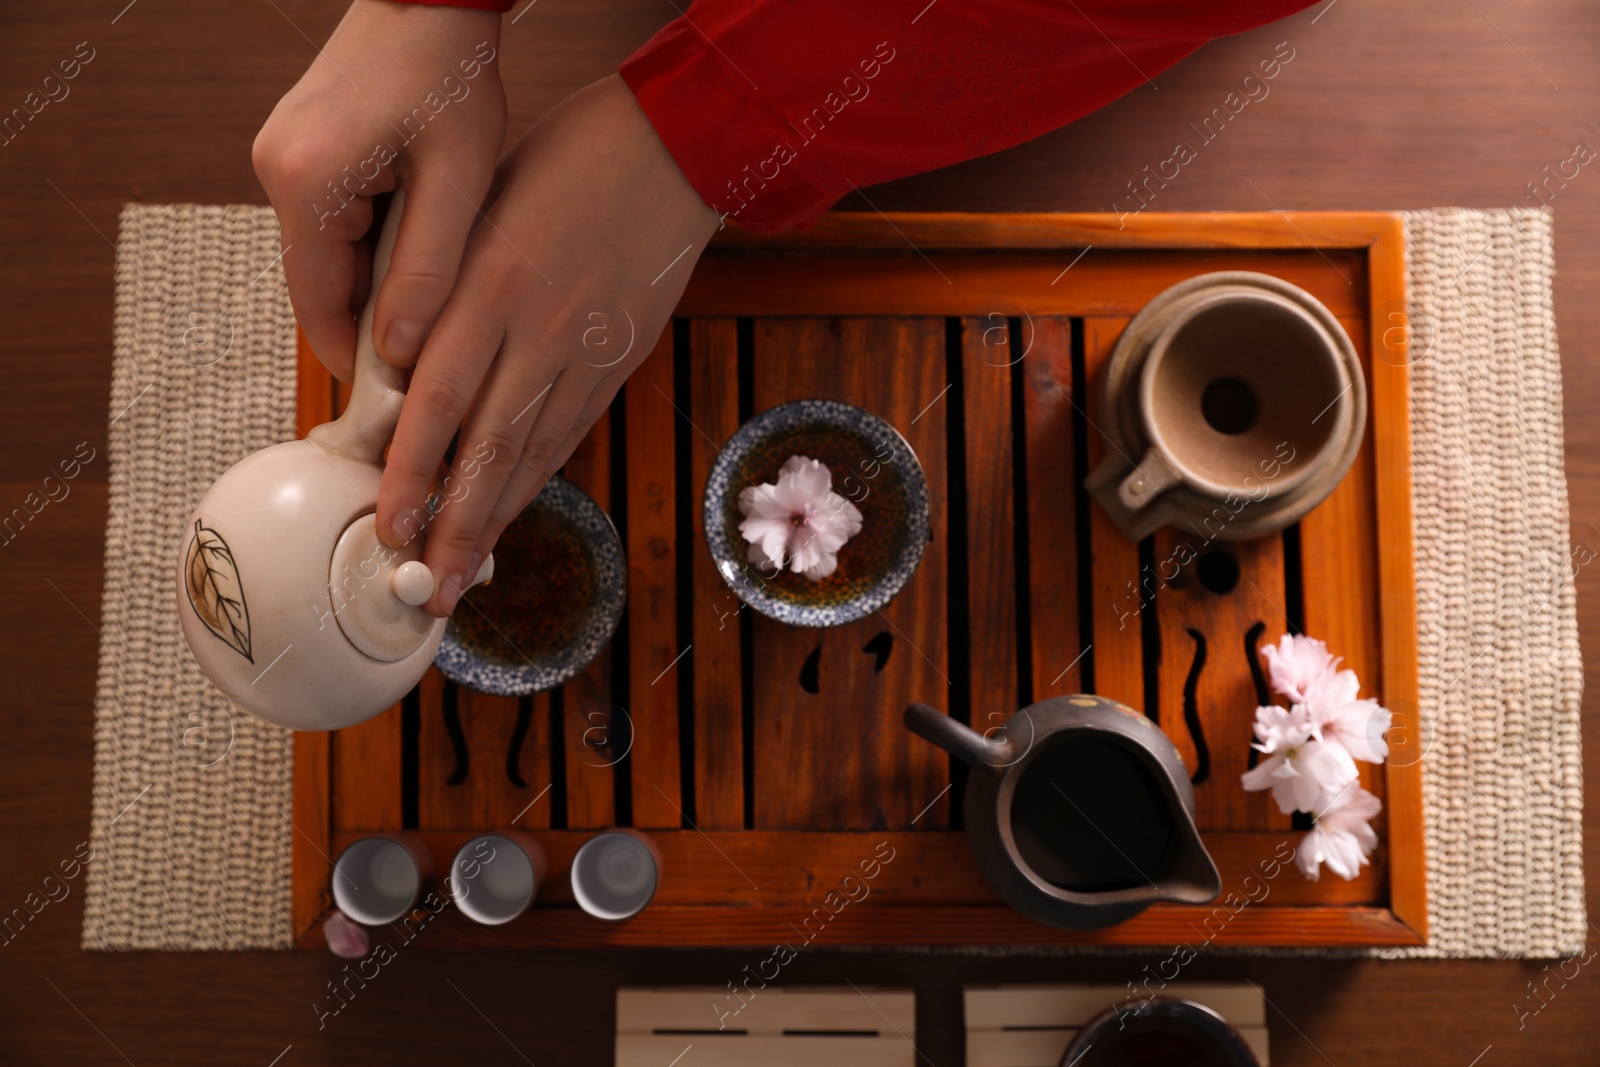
(816, 513)
(554, 602)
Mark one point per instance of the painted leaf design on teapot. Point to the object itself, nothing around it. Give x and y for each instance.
(216, 592)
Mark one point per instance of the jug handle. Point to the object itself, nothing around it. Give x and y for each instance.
(365, 428)
(964, 744)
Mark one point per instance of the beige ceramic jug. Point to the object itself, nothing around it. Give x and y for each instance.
(289, 601)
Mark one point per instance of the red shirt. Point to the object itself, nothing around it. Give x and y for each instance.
(774, 109)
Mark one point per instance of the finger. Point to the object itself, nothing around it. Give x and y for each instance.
(530, 478)
(440, 211)
(455, 534)
(442, 388)
(319, 235)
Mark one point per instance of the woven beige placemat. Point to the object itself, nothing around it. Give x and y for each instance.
(191, 804)
(1500, 675)
(189, 824)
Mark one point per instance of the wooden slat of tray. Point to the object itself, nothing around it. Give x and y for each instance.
(874, 777)
(1056, 646)
(850, 284)
(592, 739)
(1358, 266)
(717, 615)
(1204, 634)
(652, 615)
(912, 869)
(1118, 649)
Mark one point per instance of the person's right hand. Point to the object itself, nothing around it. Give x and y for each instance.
(403, 95)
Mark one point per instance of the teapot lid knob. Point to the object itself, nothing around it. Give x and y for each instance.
(412, 582)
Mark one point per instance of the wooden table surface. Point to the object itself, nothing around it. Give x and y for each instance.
(1384, 105)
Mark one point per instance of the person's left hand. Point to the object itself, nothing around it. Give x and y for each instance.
(591, 227)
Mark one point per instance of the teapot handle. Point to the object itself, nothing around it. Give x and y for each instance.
(365, 428)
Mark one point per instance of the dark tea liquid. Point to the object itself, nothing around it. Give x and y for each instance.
(541, 597)
(1088, 816)
(1163, 1042)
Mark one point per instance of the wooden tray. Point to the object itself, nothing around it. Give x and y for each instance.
(767, 782)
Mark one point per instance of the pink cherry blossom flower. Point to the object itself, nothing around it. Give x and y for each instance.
(1299, 768)
(346, 939)
(1296, 662)
(800, 520)
(1343, 837)
(1341, 717)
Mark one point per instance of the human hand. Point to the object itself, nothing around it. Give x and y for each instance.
(590, 217)
(402, 95)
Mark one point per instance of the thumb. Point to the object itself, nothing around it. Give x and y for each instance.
(440, 210)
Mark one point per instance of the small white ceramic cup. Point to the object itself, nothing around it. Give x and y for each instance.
(379, 879)
(495, 877)
(615, 874)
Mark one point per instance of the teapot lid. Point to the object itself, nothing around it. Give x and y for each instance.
(376, 591)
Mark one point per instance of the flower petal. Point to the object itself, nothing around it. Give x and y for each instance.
(1295, 663)
(1261, 776)
(803, 480)
(346, 939)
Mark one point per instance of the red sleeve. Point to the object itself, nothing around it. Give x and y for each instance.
(481, 5)
(776, 108)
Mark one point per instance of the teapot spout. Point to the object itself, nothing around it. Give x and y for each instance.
(964, 744)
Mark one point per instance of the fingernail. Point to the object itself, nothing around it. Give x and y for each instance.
(474, 566)
(403, 341)
(450, 592)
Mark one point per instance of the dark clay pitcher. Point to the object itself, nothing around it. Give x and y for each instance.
(1079, 811)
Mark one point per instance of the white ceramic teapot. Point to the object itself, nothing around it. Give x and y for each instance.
(288, 599)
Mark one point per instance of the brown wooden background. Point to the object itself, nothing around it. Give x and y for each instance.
(1385, 106)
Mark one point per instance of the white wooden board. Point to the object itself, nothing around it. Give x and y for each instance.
(771, 1026)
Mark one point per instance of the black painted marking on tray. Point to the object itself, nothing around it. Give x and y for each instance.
(810, 672)
(519, 733)
(1191, 710)
(449, 708)
(1252, 640)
